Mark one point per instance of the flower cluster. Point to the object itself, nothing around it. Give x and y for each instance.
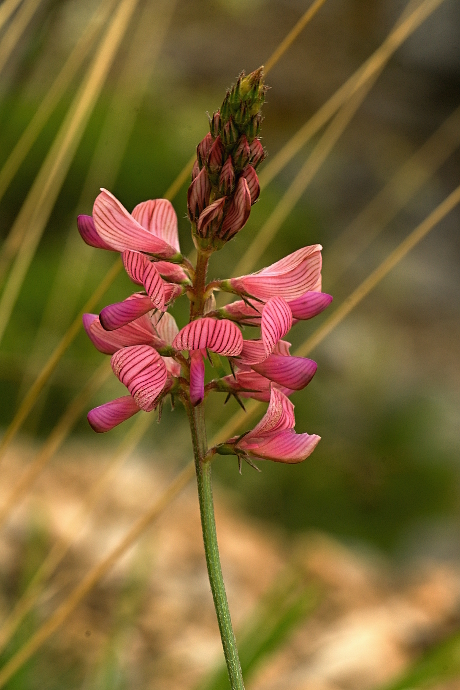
(150, 355)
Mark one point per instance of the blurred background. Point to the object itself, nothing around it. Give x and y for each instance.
(355, 552)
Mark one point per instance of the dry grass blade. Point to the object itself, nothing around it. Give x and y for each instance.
(63, 544)
(16, 29)
(373, 64)
(43, 112)
(7, 10)
(39, 203)
(293, 34)
(182, 177)
(404, 184)
(41, 381)
(55, 440)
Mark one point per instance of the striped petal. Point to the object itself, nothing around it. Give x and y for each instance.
(278, 417)
(121, 313)
(276, 322)
(310, 304)
(251, 178)
(238, 212)
(290, 277)
(257, 387)
(121, 231)
(106, 417)
(252, 352)
(89, 234)
(165, 326)
(159, 218)
(285, 446)
(223, 337)
(141, 369)
(135, 333)
(142, 271)
(196, 377)
(242, 312)
(292, 372)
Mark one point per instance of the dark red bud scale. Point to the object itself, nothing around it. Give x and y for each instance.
(227, 178)
(215, 156)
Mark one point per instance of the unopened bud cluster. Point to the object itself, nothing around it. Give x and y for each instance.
(224, 179)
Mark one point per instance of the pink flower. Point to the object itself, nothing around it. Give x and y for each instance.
(273, 438)
(305, 307)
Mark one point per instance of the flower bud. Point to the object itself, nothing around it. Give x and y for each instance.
(214, 163)
(203, 148)
(253, 128)
(195, 170)
(214, 124)
(242, 153)
(198, 195)
(225, 111)
(257, 153)
(251, 178)
(227, 178)
(210, 220)
(238, 211)
(229, 133)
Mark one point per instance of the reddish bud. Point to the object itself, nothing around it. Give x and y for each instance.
(242, 153)
(203, 148)
(214, 124)
(215, 157)
(257, 153)
(229, 133)
(210, 220)
(251, 178)
(195, 170)
(227, 177)
(198, 195)
(238, 212)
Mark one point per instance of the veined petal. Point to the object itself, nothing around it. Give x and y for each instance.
(223, 337)
(121, 231)
(251, 178)
(196, 377)
(158, 217)
(240, 311)
(141, 369)
(293, 372)
(238, 211)
(279, 416)
(310, 304)
(109, 415)
(166, 327)
(143, 271)
(135, 333)
(89, 234)
(282, 347)
(121, 313)
(276, 322)
(257, 387)
(253, 351)
(198, 195)
(290, 277)
(172, 272)
(211, 218)
(284, 446)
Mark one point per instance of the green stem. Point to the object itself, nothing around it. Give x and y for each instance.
(208, 525)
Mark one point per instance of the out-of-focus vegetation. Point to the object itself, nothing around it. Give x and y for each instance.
(386, 396)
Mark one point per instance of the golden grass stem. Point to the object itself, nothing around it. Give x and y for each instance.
(182, 177)
(40, 382)
(55, 440)
(62, 545)
(39, 203)
(43, 112)
(7, 9)
(17, 27)
(398, 191)
(393, 41)
(293, 34)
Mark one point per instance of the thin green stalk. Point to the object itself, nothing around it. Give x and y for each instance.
(208, 525)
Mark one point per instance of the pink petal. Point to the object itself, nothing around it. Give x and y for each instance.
(196, 377)
(172, 367)
(158, 217)
(211, 218)
(203, 148)
(121, 231)
(240, 311)
(136, 333)
(172, 272)
(282, 347)
(121, 313)
(109, 415)
(143, 271)
(223, 337)
(292, 372)
(166, 327)
(171, 291)
(141, 369)
(279, 416)
(290, 277)
(276, 322)
(252, 352)
(251, 178)
(284, 446)
(198, 195)
(238, 212)
(310, 304)
(88, 232)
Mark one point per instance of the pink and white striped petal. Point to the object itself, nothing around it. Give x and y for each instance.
(292, 372)
(284, 446)
(89, 234)
(290, 277)
(276, 322)
(120, 231)
(238, 211)
(251, 178)
(143, 271)
(159, 218)
(196, 377)
(257, 387)
(121, 313)
(107, 416)
(141, 369)
(309, 305)
(278, 417)
(135, 333)
(223, 337)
